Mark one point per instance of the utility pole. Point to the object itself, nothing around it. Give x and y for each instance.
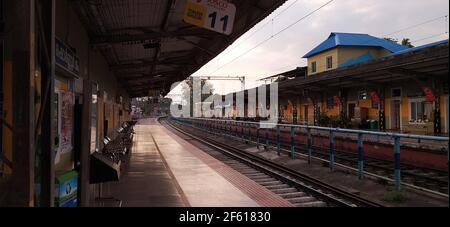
(225, 78)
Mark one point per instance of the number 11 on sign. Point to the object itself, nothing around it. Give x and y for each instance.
(224, 21)
(217, 15)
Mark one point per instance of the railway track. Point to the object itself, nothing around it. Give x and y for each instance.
(428, 180)
(299, 189)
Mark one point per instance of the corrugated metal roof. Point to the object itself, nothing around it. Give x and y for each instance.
(147, 44)
(363, 58)
(352, 39)
(419, 47)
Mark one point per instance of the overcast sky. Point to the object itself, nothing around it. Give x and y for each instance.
(284, 52)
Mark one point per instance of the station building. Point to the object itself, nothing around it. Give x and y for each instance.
(361, 81)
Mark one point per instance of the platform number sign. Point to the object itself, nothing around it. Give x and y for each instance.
(215, 15)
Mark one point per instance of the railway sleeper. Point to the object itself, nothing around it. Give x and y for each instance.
(270, 183)
(284, 190)
(311, 204)
(262, 180)
(280, 186)
(292, 195)
(257, 175)
(304, 199)
(250, 171)
(243, 168)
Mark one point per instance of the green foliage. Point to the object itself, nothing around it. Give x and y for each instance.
(324, 120)
(391, 40)
(206, 87)
(340, 121)
(405, 41)
(396, 197)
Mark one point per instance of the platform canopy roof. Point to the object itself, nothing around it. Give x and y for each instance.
(147, 44)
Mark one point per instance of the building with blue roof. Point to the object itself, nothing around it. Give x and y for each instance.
(345, 49)
(370, 83)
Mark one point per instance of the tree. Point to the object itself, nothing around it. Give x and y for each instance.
(186, 90)
(391, 40)
(407, 42)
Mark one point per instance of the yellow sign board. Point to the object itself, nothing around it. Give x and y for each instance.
(195, 14)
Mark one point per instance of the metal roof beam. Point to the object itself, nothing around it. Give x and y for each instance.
(111, 39)
(407, 72)
(143, 75)
(148, 62)
(211, 53)
(170, 8)
(145, 65)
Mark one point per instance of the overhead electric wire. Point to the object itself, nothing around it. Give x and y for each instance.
(263, 26)
(309, 14)
(276, 34)
(430, 37)
(417, 25)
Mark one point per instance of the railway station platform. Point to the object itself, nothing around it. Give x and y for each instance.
(164, 170)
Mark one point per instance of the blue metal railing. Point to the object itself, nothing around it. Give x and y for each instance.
(226, 127)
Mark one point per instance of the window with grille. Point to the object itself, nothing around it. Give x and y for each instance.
(420, 111)
(329, 62)
(314, 67)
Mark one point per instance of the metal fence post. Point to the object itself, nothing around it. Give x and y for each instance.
(267, 138)
(250, 139)
(309, 145)
(360, 156)
(278, 141)
(331, 142)
(397, 173)
(242, 131)
(257, 136)
(292, 142)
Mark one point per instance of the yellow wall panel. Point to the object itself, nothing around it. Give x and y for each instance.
(321, 61)
(341, 55)
(347, 53)
(373, 113)
(444, 114)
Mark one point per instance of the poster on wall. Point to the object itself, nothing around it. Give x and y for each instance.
(66, 122)
(94, 112)
(66, 188)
